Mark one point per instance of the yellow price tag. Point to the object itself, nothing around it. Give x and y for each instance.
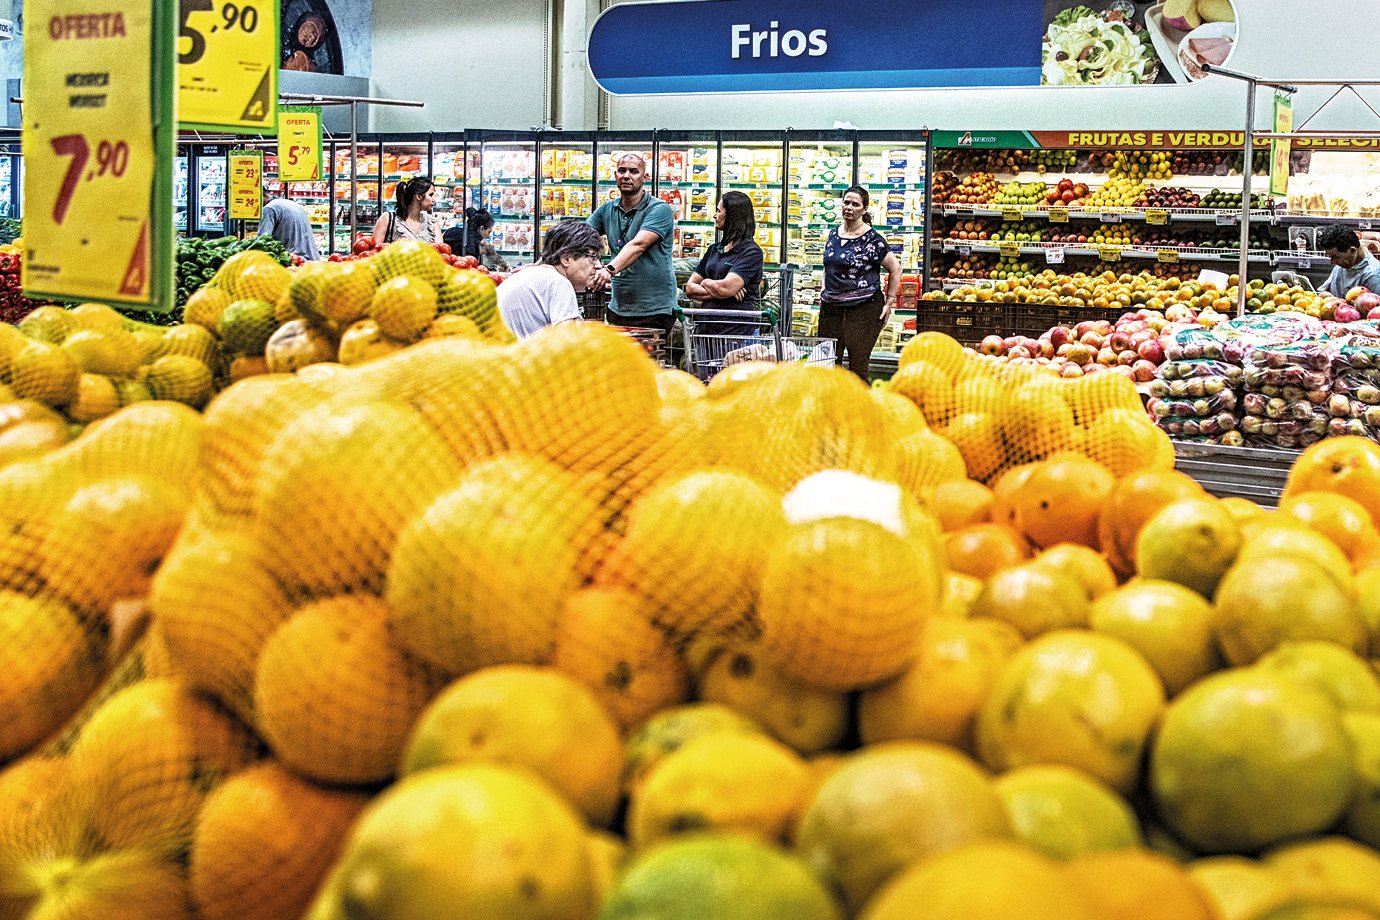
(98, 223)
(299, 144)
(1011, 214)
(1058, 215)
(1109, 253)
(246, 184)
(1009, 250)
(227, 57)
(1156, 216)
(1167, 255)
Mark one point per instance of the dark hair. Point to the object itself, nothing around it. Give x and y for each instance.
(409, 192)
(1338, 237)
(478, 220)
(570, 239)
(740, 222)
(866, 200)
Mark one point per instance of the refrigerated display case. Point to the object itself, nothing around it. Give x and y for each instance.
(754, 162)
(181, 189)
(403, 159)
(687, 177)
(455, 170)
(209, 167)
(820, 169)
(368, 182)
(508, 191)
(565, 187)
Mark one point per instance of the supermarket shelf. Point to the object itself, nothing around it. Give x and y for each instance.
(899, 185)
(1222, 217)
(1186, 254)
(527, 181)
(1246, 472)
(1095, 180)
(1300, 217)
(704, 184)
(763, 186)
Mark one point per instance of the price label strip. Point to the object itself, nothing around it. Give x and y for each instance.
(1054, 256)
(1009, 250)
(299, 144)
(1058, 215)
(98, 145)
(1109, 253)
(227, 65)
(246, 185)
(1167, 255)
(1156, 217)
(1012, 214)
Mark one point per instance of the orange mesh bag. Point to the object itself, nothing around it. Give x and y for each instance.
(1002, 416)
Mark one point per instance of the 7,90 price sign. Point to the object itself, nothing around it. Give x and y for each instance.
(98, 144)
(227, 65)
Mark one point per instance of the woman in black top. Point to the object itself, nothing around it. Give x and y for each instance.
(852, 307)
(729, 277)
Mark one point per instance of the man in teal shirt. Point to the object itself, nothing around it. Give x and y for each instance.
(638, 228)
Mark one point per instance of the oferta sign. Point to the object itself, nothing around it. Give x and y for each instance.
(727, 46)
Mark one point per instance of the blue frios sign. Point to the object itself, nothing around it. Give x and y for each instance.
(730, 46)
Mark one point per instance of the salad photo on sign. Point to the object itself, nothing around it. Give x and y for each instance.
(1121, 43)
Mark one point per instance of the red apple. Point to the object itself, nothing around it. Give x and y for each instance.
(1071, 371)
(992, 345)
(1374, 313)
(1124, 371)
(1084, 327)
(1151, 350)
(1106, 356)
(1098, 368)
(1142, 371)
(1119, 341)
(1018, 352)
(1060, 335)
(1093, 339)
(1366, 302)
(1046, 348)
(1126, 357)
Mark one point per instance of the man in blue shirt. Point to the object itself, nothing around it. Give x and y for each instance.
(638, 228)
(1353, 265)
(287, 222)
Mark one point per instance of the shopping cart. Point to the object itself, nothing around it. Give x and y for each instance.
(709, 350)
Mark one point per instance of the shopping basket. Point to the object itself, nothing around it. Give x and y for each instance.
(709, 351)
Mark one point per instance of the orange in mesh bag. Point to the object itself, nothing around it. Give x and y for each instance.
(1006, 416)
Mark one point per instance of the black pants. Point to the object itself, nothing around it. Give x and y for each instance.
(662, 321)
(856, 328)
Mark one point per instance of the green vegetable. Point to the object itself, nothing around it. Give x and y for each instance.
(1072, 15)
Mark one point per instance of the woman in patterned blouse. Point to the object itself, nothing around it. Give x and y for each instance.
(852, 307)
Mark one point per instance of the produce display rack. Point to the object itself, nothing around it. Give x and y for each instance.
(1258, 474)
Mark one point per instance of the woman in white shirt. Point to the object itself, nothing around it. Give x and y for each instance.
(543, 294)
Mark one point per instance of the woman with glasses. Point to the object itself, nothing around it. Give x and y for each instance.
(729, 277)
(543, 293)
(412, 218)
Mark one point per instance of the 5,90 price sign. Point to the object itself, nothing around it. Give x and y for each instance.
(227, 65)
(98, 143)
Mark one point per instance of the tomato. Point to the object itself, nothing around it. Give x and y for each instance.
(362, 246)
(443, 248)
(469, 262)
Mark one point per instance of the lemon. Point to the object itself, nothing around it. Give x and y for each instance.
(533, 718)
(1269, 599)
(891, 804)
(1064, 813)
(725, 781)
(669, 730)
(1169, 624)
(1192, 542)
(514, 851)
(1075, 698)
(403, 307)
(1246, 758)
(727, 878)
